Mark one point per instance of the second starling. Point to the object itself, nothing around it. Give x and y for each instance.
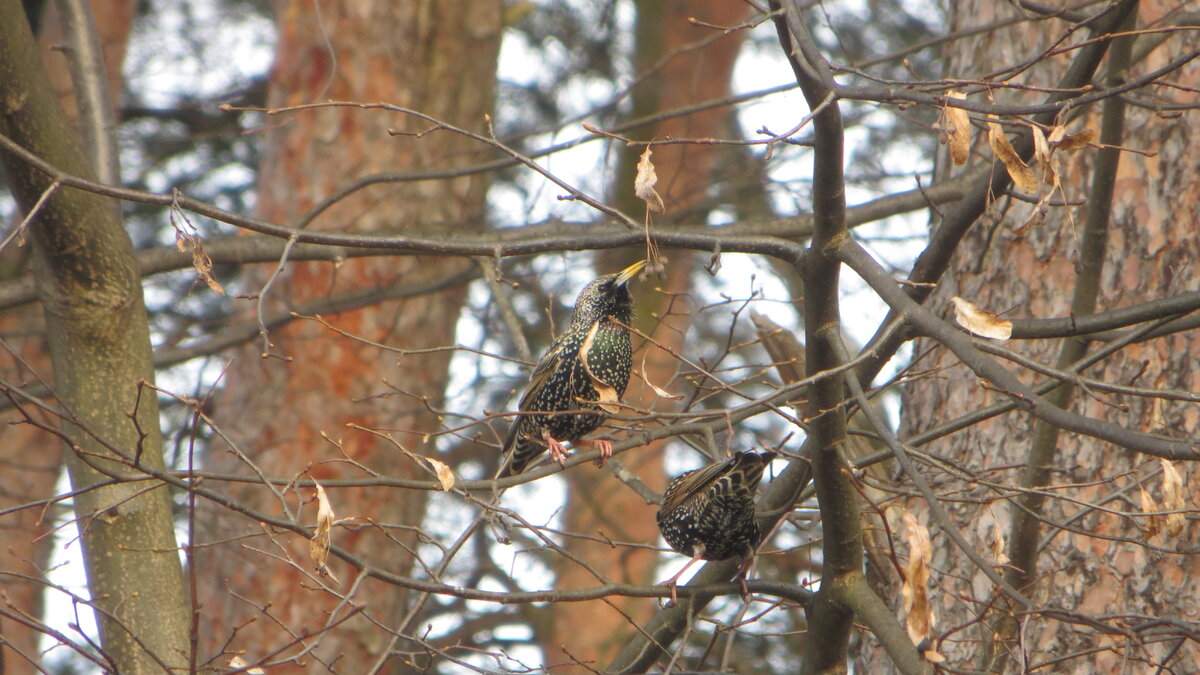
(580, 378)
(708, 513)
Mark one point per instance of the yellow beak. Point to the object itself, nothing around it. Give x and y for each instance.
(629, 272)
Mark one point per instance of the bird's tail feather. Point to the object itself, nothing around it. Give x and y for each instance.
(519, 449)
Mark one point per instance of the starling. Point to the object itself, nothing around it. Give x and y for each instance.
(580, 377)
(708, 513)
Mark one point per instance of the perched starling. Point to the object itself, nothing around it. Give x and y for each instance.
(708, 513)
(585, 370)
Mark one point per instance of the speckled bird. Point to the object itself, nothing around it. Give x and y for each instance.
(708, 513)
(586, 369)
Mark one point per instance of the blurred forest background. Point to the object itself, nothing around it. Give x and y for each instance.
(274, 276)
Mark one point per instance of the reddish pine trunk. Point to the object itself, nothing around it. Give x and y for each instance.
(292, 416)
(1151, 253)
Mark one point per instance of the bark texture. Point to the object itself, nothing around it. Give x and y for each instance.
(99, 344)
(1110, 564)
(30, 461)
(289, 413)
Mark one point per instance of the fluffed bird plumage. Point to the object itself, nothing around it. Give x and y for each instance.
(708, 513)
(581, 376)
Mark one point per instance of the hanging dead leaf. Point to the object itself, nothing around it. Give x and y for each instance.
(980, 322)
(643, 184)
(444, 475)
(919, 615)
(237, 662)
(1041, 148)
(606, 394)
(1149, 507)
(1075, 141)
(957, 126)
(1173, 501)
(318, 546)
(658, 391)
(1022, 176)
(999, 547)
(188, 237)
(203, 265)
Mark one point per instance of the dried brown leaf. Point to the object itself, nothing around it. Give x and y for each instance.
(237, 662)
(318, 546)
(444, 475)
(919, 615)
(1173, 499)
(658, 391)
(1022, 176)
(957, 126)
(200, 260)
(1076, 141)
(980, 322)
(643, 184)
(999, 547)
(1041, 148)
(1152, 526)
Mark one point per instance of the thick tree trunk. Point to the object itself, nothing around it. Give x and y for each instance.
(100, 348)
(30, 461)
(1111, 566)
(289, 413)
(599, 505)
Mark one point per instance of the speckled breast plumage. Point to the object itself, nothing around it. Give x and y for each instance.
(570, 388)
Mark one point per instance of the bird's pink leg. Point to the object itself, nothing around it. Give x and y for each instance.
(673, 582)
(557, 452)
(745, 574)
(605, 448)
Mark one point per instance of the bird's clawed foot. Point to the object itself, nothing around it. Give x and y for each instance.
(605, 448)
(673, 583)
(743, 575)
(557, 452)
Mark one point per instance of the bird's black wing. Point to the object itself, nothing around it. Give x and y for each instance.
(693, 483)
(555, 358)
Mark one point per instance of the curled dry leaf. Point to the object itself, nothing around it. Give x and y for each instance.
(607, 398)
(958, 129)
(236, 662)
(919, 618)
(658, 391)
(1047, 162)
(980, 322)
(318, 546)
(1041, 147)
(999, 549)
(1022, 176)
(1173, 501)
(444, 475)
(1074, 141)
(201, 261)
(643, 184)
(1149, 507)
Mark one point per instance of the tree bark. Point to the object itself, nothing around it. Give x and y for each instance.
(1111, 565)
(100, 349)
(290, 412)
(30, 462)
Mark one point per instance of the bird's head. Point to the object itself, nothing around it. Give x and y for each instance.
(608, 295)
